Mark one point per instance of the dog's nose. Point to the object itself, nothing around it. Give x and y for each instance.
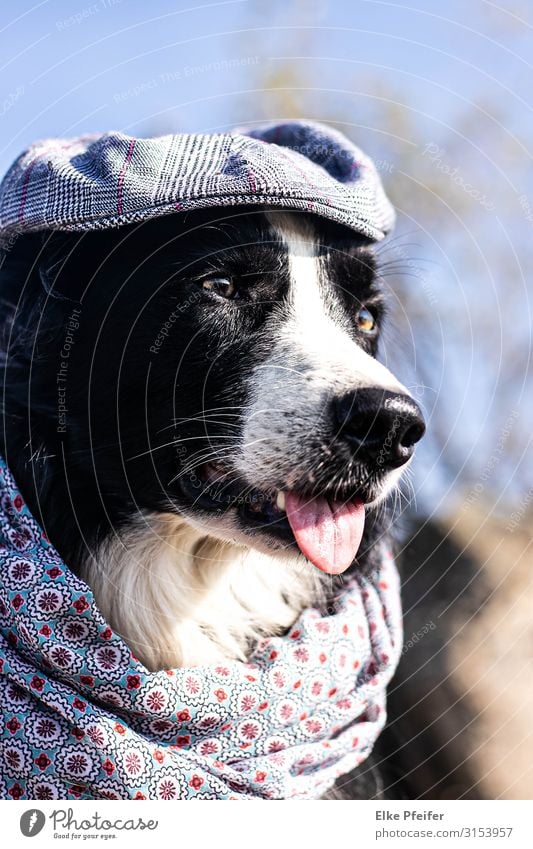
(382, 427)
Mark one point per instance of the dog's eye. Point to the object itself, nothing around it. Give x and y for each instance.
(222, 286)
(366, 321)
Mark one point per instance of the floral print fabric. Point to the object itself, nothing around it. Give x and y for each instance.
(82, 718)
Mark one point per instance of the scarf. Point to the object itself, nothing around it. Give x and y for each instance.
(82, 718)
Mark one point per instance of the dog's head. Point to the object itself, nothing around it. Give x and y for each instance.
(222, 365)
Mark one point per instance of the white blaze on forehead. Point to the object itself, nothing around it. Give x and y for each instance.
(313, 359)
(318, 336)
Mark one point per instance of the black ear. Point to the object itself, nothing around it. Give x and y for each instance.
(60, 260)
(17, 268)
(36, 266)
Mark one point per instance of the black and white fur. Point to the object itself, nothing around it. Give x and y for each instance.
(189, 412)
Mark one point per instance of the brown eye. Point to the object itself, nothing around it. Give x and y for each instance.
(366, 321)
(222, 286)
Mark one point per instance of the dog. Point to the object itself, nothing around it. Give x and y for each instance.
(195, 413)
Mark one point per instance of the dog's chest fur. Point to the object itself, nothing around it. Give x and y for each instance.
(180, 597)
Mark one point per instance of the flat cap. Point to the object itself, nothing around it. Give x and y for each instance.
(101, 181)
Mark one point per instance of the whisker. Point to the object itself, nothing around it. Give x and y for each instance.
(176, 443)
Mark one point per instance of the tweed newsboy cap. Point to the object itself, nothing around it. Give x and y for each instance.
(101, 181)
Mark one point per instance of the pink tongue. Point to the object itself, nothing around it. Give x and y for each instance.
(328, 536)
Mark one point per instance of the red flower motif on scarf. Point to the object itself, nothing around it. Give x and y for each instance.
(16, 791)
(43, 761)
(81, 604)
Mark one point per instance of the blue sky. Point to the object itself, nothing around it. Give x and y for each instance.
(72, 67)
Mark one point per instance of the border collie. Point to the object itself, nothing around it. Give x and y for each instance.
(194, 411)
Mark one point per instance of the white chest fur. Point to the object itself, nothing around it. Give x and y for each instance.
(179, 597)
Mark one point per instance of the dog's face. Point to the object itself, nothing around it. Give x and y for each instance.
(225, 368)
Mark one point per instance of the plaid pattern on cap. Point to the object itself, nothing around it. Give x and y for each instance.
(101, 181)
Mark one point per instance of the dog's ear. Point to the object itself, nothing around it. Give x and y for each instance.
(56, 250)
(67, 262)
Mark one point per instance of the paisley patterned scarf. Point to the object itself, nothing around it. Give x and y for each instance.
(83, 719)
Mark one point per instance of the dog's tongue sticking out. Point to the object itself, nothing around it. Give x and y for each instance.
(329, 536)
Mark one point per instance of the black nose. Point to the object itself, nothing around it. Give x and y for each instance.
(382, 427)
